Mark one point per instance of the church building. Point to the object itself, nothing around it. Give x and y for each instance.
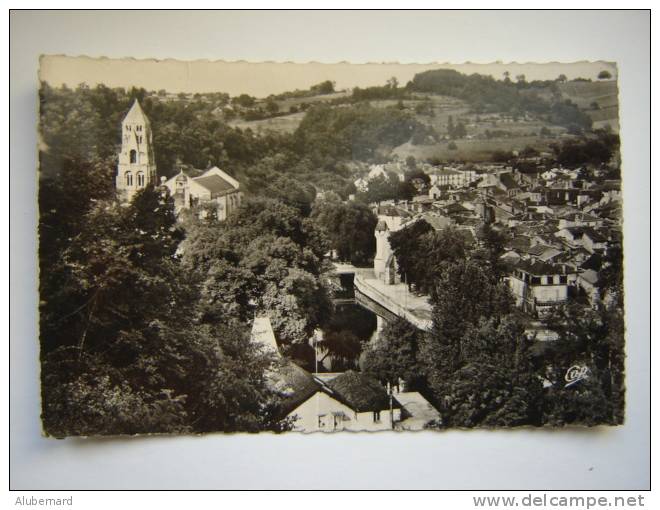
(137, 170)
(212, 186)
(137, 165)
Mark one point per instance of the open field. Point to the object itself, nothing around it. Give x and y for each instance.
(289, 122)
(282, 124)
(286, 104)
(509, 133)
(605, 93)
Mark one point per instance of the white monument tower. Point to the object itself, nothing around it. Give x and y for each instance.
(137, 166)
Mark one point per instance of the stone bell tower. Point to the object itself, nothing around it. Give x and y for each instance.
(137, 166)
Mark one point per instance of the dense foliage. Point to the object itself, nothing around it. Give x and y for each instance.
(395, 356)
(420, 252)
(123, 349)
(477, 364)
(593, 151)
(349, 228)
(486, 94)
(355, 132)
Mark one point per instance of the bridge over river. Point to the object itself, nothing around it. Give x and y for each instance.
(387, 301)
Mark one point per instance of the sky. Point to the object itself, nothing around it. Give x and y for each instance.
(263, 79)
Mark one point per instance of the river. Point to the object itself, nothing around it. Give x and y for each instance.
(351, 329)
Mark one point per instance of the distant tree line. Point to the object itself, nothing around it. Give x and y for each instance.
(354, 132)
(587, 150)
(486, 94)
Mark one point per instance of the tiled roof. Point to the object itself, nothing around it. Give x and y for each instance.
(359, 391)
(539, 249)
(437, 222)
(293, 384)
(215, 184)
(594, 236)
(519, 243)
(390, 210)
(539, 268)
(508, 181)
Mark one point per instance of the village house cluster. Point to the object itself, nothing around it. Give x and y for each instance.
(559, 224)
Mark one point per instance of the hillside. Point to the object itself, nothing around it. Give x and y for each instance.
(291, 111)
(604, 93)
(467, 117)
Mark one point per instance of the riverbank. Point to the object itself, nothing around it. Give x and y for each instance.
(396, 298)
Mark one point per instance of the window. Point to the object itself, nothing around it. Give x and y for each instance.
(129, 178)
(536, 280)
(128, 128)
(138, 128)
(139, 139)
(376, 416)
(140, 180)
(563, 279)
(133, 156)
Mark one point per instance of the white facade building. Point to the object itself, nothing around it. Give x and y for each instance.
(212, 187)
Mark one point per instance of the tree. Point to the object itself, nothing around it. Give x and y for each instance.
(290, 191)
(349, 227)
(381, 188)
(244, 100)
(265, 259)
(272, 107)
(593, 339)
(343, 346)
(463, 295)
(604, 75)
(494, 383)
(491, 248)
(123, 350)
(326, 87)
(438, 248)
(450, 126)
(394, 356)
(406, 246)
(561, 78)
(419, 179)
(393, 82)
(459, 130)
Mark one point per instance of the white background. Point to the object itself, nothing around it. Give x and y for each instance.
(514, 459)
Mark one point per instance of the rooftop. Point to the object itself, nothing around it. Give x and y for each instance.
(539, 268)
(361, 392)
(136, 114)
(215, 184)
